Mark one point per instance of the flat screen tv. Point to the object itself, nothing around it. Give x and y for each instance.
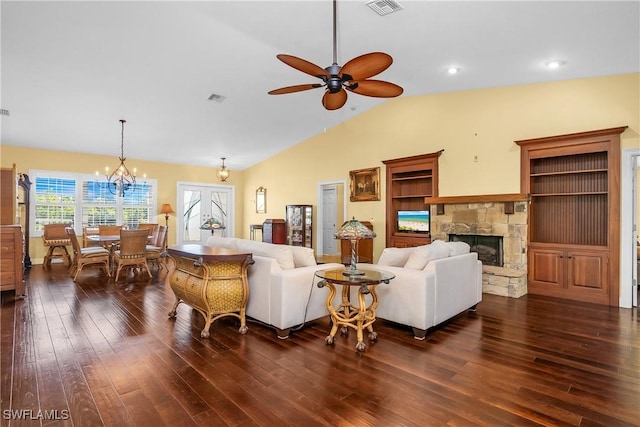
(413, 221)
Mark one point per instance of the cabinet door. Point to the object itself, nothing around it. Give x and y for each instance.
(546, 270)
(587, 275)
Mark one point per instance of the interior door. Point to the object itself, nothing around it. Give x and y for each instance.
(329, 219)
(204, 210)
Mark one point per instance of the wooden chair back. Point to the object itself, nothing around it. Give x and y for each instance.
(161, 237)
(90, 231)
(55, 232)
(110, 230)
(71, 235)
(153, 231)
(133, 243)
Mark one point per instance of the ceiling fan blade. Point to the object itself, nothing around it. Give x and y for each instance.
(333, 101)
(377, 88)
(296, 88)
(303, 65)
(367, 65)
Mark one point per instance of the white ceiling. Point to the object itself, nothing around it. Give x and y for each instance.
(71, 70)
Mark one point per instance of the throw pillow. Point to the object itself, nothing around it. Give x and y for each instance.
(395, 257)
(222, 242)
(458, 248)
(421, 255)
(281, 253)
(303, 257)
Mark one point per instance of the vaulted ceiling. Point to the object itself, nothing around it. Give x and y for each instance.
(72, 70)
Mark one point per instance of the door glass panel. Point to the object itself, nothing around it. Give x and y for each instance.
(219, 209)
(191, 220)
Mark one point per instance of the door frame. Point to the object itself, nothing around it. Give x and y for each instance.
(320, 215)
(230, 226)
(627, 221)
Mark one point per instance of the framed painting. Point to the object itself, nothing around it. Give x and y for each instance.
(365, 184)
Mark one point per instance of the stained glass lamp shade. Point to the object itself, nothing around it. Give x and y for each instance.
(353, 231)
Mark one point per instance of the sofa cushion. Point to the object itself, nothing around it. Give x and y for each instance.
(421, 255)
(280, 253)
(458, 248)
(395, 257)
(222, 242)
(303, 257)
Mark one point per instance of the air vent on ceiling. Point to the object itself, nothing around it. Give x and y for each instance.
(217, 98)
(384, 7)
(4, 112)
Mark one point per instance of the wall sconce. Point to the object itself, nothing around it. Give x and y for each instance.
(223, 173)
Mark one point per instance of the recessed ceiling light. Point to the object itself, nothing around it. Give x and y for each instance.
(554, 63)
(453, 70)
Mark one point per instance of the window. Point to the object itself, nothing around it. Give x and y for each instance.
(85, 200)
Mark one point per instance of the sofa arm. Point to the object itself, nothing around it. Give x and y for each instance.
(407, 299)
(458, 284)
(295, 296)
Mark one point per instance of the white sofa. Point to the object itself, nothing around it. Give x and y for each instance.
(283, 290)
(433, 283)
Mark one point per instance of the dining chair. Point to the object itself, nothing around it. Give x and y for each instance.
(132, 252)
(157, 251)
(153, 231)
(109, 230)
(90, 231)
(56, 240)
(86, 256)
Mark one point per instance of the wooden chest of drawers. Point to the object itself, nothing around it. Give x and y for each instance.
(11, 259)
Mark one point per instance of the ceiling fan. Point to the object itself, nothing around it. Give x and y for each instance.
(352, 76)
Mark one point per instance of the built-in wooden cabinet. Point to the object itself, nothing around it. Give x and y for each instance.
(409, 181)
(574, 216)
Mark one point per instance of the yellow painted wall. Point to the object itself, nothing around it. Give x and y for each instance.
(483, 123)
(167, 175)
(480, 124)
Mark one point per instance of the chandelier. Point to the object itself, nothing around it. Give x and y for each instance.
(223, 173)
(121, 179)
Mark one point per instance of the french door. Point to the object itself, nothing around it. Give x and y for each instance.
(203, 210)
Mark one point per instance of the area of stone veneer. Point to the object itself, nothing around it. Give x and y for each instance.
(490, 219)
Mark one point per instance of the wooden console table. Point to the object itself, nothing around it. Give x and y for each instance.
(213, 281)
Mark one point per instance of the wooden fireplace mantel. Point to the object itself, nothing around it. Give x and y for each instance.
(485, 198)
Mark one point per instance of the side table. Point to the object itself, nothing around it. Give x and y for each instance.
(346, 314)
(211, 280)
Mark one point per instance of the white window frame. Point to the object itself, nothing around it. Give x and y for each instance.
(80, 178)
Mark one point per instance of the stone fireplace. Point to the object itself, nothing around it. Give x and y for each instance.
(488, 248)
(493, 224)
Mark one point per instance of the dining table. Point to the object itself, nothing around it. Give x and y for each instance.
(107, 241)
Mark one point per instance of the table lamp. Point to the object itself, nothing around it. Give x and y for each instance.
(166, 210)
(353, 231)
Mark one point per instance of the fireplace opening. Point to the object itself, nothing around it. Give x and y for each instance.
(489, 248)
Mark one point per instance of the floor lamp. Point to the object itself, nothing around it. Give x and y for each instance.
(166, 210)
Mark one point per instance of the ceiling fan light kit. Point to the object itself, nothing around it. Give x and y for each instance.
(337, 80)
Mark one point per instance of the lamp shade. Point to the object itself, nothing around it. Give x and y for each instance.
(354, 230)
(166, 209)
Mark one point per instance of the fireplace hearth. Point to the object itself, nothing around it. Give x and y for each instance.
(488, 248)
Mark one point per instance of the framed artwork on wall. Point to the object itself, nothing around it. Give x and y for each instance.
(365, 184)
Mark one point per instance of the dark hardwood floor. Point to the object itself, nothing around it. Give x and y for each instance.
(96, 353)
